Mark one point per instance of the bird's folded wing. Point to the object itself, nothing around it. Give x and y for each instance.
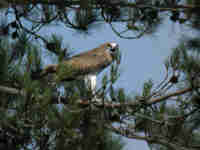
(73, 68)
(91, 62)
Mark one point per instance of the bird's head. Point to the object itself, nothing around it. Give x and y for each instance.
(113, 49)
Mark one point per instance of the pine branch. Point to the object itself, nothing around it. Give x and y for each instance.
(49, 2)
(115, 4)
(153, 140)
(134, 103)
(162, 98)
(12, 91)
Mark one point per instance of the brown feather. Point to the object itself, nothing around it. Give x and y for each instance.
(87, 62)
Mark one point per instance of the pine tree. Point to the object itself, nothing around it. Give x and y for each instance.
(46, 114)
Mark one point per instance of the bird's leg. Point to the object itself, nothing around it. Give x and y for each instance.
(91, 81)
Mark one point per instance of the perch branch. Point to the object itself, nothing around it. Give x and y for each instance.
(133, 103)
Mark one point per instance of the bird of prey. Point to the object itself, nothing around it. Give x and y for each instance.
(86, 65)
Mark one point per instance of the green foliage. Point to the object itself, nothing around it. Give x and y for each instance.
(3, 60)
(144, 19)
(55, 44)
(20, 47)
(114, 74)
(113, 142)
(147, 88)
(66, 70)
(185, 58)
(192, 43)
(33, 119)
(84, 17)
(121, 96)
(104, 82)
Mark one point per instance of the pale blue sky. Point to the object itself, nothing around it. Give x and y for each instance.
(142, 58)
